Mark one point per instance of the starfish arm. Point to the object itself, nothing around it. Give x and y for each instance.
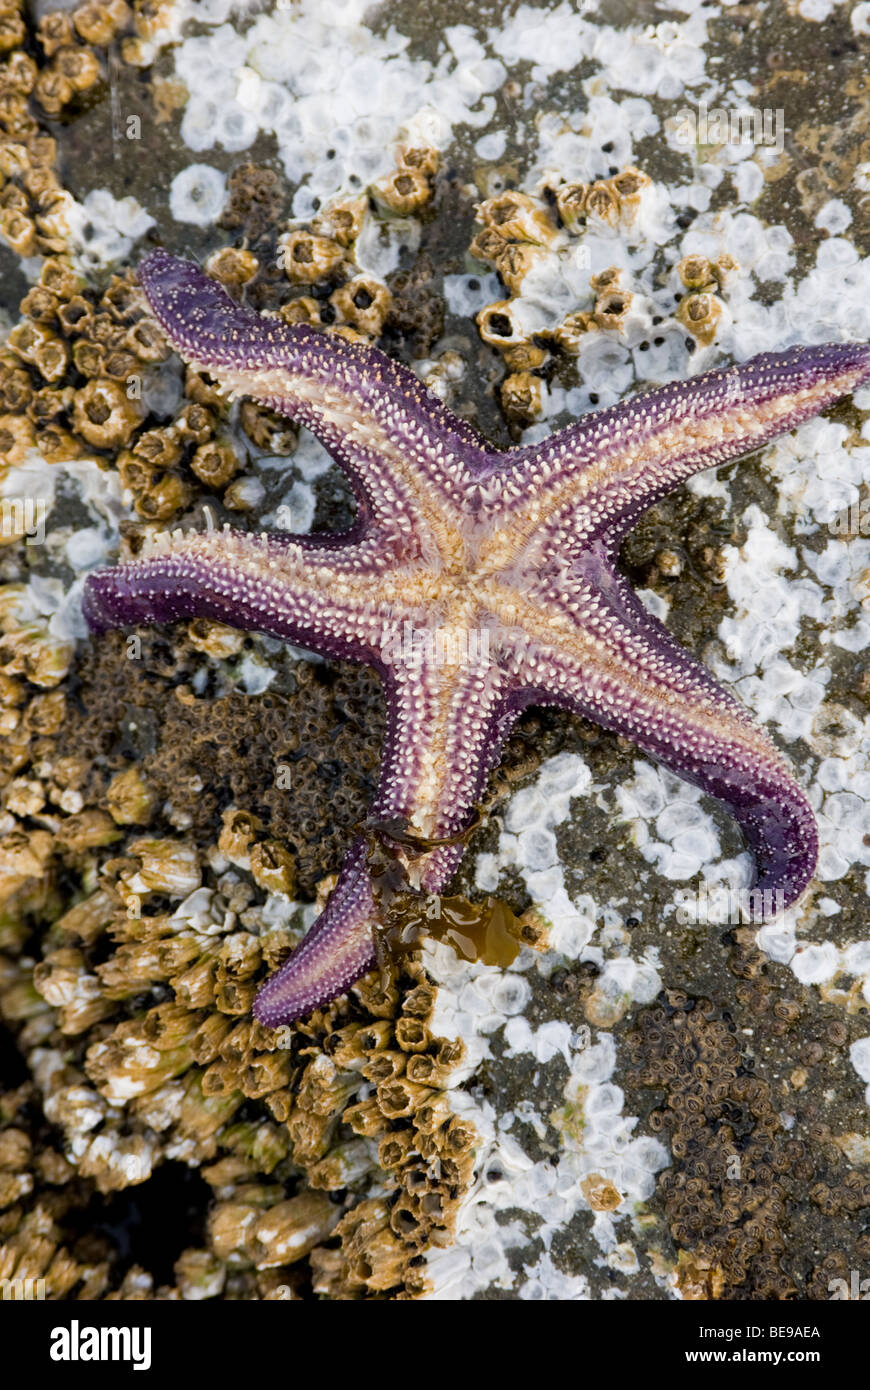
(598, 476)
(627, 674)
(319, 597)
(445, 734)
(406, 454)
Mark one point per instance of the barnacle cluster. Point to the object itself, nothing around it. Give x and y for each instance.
(319, 259)
(739, 1173)
(72, 369)
(333, 1155)
(701, 309)
(525, 238)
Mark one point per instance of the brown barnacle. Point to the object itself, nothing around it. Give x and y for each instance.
(147, 341)
(343, 1166)
(98, 23)
(433, 1112)
(18, 231)
(311, 1135)
(266, 1073)
(15, 115)
(24, 796)
(164, 497)
(196, 423)
(425, 1070)
(103, 414)
(88, 357)
(57, 445)
(64, 981)
(238, 833)
(602, 202)
(43, 149)
(116, 1161)
(266, 429)
(16, 387)
(498, 325)
(403, 191)
(17, 438)
(522, 396)
(696, 272)
(306, 259)
(366, 1118)
(395, 1148)
(40, 305)
(47, 404)
(724, 269)
(323, 1088)
(611, 308)
(515, 262)
(119, 364)
(39, 346)
(273, 867)
(80, 66)
(203, 389)
(54, 31)
(572, 328)
(289, 1230)
(517, 217)
(525, 357)
(215, 462)
(380, 1264)
(341, 221)
(303, 309)
(239, 956)
(164, 866)
(383, 1066)
(19, 73)
(419, 1001)
(88, 919)
(232, 266)
(379, 999)
(412, 1035)
(87, 829)
(160, 448)
(571, 205)
(363, 303)
(13, 31)
(35, 654)
(195, 986)
(53, 91)
(488, 245)
(122, 298)
(423, 157)
(215, 639)
(700, 314)
(14, 160)
(629, 187)
(399, 1098)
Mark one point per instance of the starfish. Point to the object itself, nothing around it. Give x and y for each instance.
(476, 583)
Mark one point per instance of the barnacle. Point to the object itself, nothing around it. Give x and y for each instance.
(103, 414)
(363, 303)
(700, 314)
(307, 259)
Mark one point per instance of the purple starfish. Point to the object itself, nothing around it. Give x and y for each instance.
(476, 583)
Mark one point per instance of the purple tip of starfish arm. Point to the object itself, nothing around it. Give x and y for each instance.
(203, 321)
(338, 949)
